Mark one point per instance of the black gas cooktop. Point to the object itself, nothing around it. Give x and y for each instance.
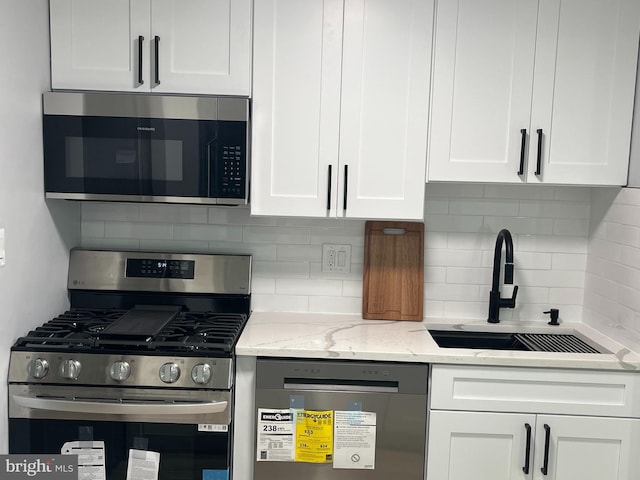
(185, 333)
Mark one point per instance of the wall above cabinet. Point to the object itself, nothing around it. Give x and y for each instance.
(533, 91)
(199, 46)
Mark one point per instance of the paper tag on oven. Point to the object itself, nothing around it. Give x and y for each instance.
(212, 427)
(143, 465)
(91, 458)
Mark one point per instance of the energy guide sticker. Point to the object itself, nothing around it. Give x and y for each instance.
(314, 436)
(276, 435)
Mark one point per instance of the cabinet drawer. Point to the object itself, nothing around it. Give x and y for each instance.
(511, 389)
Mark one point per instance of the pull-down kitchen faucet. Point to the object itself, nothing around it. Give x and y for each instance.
(495, 301)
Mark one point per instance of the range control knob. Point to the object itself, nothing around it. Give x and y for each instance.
(37, 368)
(70, 369)
(201, 373)
(120, 371)
(169, 372)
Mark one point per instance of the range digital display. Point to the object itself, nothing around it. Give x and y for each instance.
(159, 268)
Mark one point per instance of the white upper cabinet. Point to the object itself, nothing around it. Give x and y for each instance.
(340, 102)
(533, 90)
(168, 46)
(482, 85)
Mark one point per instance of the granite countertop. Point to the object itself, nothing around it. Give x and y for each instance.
(339, 336)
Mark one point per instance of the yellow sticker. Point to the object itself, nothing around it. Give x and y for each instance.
(314, 436)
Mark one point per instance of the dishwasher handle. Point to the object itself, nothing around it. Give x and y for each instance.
(333, 385)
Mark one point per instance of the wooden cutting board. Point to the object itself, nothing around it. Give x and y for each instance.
(393, 286)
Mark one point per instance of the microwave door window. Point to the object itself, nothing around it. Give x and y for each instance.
(128, 156)
(177, 165)
(102, 158)
(166, 161)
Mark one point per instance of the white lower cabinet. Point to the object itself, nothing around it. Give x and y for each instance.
(509, 446)
(501, 423)
(477, 445)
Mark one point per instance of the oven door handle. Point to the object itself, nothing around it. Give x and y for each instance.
(109, 408)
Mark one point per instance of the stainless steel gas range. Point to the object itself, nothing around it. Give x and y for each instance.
(139, 373)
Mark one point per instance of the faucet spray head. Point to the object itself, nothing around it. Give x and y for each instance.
(508, 273)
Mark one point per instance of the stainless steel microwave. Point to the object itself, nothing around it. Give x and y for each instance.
(146, 148)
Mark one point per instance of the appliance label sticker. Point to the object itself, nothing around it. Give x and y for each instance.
(91, 458)
(213, 428)
(143, 465)
(314, 436)
(275, 435)
(355, 440)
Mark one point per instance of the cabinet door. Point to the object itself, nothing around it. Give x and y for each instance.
(584, 87)
(587, 448)
(476, 445)
(385, 101)
(296, 106)
(95, 44)
(204, 46)
(482, 84)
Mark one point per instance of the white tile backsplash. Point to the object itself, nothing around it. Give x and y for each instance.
(461, 222)
(173, 213)
(522, 225)
(612, 287)
(574, 227)
(209, 233)
(310, 287)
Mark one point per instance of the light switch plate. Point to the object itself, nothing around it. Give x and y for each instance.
(2, 260)
(336, 258)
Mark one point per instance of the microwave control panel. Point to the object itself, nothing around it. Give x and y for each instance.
(229, 170)
(233, 170)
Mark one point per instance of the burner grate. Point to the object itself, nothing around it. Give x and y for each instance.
(195, 333)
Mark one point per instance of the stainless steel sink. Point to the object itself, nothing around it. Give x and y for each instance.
(532, 342)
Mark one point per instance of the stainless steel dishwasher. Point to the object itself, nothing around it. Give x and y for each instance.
(390, 397)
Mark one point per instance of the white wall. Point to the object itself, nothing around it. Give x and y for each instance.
(550, 226)
(634, 162)
(33, 282)
(612, 288)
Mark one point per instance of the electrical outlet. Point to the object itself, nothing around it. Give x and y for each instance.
(336, 258)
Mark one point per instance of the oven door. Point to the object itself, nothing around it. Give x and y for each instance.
(190, 430)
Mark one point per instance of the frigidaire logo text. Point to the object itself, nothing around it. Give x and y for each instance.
(146, 129)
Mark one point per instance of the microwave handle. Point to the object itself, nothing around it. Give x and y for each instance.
(108, 408)
(209, 157)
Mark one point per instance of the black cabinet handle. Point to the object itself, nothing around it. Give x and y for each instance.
(547, 438)
(140, 42)
(539, 160)
(523, 146)
(527, 453)
(156, 40)
(329, 189)
(346, 183)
